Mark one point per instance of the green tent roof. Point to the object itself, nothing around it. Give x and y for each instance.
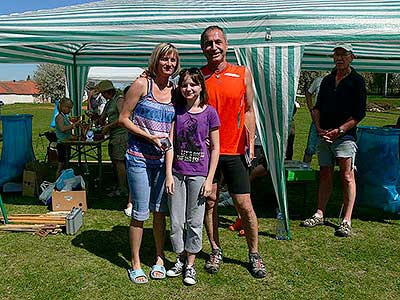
(120, 33)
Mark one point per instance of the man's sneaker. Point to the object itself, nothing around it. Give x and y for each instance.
(190, 275)
(256, 266)
(177, 269)
(214, 262)
(344, 230)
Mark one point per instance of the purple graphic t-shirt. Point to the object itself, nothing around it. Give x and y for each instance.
(192, 140)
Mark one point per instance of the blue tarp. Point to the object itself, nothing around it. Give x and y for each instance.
(55, 113)
(378, 168)
(17, 146)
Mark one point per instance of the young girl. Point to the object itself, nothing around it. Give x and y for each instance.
(63, 131)
(190, 168)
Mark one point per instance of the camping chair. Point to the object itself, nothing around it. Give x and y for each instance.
(51, 152)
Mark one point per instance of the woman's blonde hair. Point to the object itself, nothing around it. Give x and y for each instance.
(158, 52)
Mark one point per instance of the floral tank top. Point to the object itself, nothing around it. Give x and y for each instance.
(154, 118)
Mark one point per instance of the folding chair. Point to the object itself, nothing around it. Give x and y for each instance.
(51, 152)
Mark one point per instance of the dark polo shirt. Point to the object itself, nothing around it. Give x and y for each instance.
(337, 104)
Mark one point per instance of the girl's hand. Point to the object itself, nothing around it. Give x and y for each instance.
(169, 185)
(76, 124)
(206, 189)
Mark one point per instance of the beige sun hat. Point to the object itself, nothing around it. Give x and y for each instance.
(104, 85)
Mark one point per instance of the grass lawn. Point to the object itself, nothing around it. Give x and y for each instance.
(313, 265)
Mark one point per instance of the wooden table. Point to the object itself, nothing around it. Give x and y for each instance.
(88, 149)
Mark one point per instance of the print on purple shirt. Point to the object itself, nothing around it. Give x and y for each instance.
(191, 141)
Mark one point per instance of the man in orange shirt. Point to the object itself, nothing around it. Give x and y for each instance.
(230, 91)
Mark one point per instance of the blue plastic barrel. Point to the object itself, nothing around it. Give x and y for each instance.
(378, 168)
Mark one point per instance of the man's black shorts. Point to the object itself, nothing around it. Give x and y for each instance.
(235, 172)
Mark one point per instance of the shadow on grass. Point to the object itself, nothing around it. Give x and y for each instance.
(114, 245)
(227, 260)
(18, 199)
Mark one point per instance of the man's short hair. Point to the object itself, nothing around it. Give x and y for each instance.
(208, 29)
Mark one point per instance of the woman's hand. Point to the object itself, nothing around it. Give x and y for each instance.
(206, 189)
(156, 140)
(169, 185)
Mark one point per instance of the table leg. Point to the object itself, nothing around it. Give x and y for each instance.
(100, 162)
(80, 147)
(67, 156)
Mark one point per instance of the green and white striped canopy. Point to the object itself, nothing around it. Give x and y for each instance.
(275, 39)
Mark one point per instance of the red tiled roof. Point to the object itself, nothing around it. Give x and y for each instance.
(21, 87)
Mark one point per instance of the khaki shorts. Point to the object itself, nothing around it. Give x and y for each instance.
(344, 147)
(117, 147)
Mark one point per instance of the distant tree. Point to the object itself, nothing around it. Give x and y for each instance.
(375, 83)
(50, 79)
(369, 81)
(394, 83)
(306, 78)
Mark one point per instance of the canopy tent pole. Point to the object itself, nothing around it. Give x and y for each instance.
(276, 72)
(76, 81)
(76, 76)
(386, 83)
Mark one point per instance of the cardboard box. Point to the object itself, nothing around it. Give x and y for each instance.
(30, 184)
(33, 176)
(68, 200)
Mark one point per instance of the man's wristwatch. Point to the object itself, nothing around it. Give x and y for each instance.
(341, 131)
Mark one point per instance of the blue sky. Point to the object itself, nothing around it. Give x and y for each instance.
(21, 71)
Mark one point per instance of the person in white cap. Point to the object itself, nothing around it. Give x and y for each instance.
(340, 106)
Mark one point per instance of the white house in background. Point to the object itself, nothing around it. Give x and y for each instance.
(22, 91)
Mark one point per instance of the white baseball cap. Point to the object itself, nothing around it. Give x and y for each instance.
(347, 47)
